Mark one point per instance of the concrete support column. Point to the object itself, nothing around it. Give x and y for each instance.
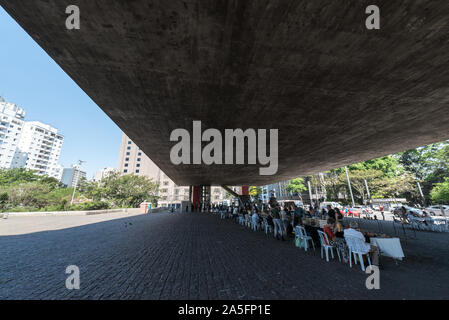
(196, 197)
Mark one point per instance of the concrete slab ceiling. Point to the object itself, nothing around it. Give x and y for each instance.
(337, 92)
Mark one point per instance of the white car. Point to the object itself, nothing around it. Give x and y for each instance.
(436, 210)
(332, 204)
(398, 211)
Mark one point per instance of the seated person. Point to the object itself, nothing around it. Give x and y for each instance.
(338, 229)
(330, 212)
(329, 231)
(338, 215)
(353, 231)
(310, 213)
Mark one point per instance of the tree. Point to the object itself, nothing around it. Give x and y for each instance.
(428, 164)
(388, 165)
(124, 191)
(296, 186)
(255, 192)
(333, 184)
(423, 161)
(358, 178)
(440, 192)
(3, 201)
(400, 186)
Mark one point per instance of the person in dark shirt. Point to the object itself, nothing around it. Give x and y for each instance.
(330, 212)
(338, 215)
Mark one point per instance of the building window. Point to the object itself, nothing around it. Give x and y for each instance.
(125, 171)
(138, 159)
(137, 171)
(126, 165)
(127, 159)
(139, 154)
(129, 142)
(129, 148)
(127, 153)
(138, 165)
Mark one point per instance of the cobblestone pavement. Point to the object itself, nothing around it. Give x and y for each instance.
(195, 256)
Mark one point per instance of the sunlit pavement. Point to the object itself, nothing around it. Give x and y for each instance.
(195, 256)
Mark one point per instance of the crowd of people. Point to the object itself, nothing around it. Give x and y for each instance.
(282, 220)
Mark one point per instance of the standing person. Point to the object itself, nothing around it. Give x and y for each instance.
(330, 212)
(310, 213)
(299, 215)
(338, 215)
(382, 212)
(284, 219)
(255, 220)
(278, 229)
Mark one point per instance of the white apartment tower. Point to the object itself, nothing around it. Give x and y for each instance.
(39, 149)
(11, 126)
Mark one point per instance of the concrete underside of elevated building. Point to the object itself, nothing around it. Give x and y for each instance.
(337, 92)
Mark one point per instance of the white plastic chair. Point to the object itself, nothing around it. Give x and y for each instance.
(327, 247)
(247, 221)
(301, 234)
(266, 226)
(357, 247)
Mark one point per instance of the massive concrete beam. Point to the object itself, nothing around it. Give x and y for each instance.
(338, 93)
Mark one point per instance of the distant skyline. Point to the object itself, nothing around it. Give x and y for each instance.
(32, 80)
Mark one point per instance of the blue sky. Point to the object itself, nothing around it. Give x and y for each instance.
(31, 79)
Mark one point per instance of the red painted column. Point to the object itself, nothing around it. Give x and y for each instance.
(196, 196)
(245, 190)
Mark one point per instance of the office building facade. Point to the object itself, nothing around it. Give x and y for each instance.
(71, 176)
(132, 160)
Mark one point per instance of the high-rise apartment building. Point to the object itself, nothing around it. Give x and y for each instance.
(11, 127)
(32, 145)
(40, 147)
(132, 160)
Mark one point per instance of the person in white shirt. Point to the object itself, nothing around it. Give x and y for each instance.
(353, 231)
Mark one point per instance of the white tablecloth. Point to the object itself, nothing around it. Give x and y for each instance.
(390, 247)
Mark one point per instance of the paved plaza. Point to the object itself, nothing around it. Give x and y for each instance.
(196, 256)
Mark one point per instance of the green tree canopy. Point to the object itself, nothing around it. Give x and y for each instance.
(440, 193)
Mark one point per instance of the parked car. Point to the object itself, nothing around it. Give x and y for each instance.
(330, 203)
(352, 212)
(436, 210)
(398, 211)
